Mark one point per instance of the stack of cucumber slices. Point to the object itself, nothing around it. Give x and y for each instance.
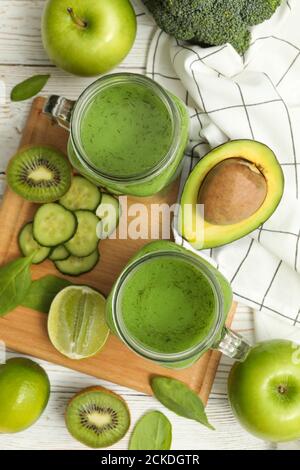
(68, 231)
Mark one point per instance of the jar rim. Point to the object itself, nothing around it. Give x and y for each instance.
(140, 348)
(84, 101)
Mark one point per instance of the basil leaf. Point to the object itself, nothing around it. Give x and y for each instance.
(42, 292)
(28, 88)
(178, 397)
(15, 281)
(152, 432)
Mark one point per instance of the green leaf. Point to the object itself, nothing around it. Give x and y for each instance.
(178, 397)
(28, 88)
(153, 431)
(15, 281)
(42, 292)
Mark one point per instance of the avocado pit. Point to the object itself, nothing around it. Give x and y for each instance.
(232, 191)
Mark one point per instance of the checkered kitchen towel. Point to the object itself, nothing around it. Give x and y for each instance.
(256, 96)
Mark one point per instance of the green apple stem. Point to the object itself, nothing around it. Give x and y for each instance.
(282, 389)
(78, 21)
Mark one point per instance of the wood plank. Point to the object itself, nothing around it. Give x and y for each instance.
(25, 330)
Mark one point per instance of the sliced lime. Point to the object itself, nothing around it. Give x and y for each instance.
(76, 322)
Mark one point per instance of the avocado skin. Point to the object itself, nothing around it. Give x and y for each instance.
(193, 226)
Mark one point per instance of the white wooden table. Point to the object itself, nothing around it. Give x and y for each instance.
(21, 56)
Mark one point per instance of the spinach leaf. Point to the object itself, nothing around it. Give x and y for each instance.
(178, 397)
(42, 292)
(153, 431)
(15, 281)
(29, 88)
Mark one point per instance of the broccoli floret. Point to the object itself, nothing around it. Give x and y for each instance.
(182, 26)
(257, 11)
(211, 22)
(186, 7)
(224, 24)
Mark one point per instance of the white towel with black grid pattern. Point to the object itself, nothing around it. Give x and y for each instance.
(255, 97)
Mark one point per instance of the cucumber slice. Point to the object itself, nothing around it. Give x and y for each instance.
(109, 213)
(82, 195)
(28, 245)
(53, 225)
(85, 240)
(74, 266)
(59, 253)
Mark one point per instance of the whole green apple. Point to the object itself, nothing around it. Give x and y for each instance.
(264, 391)
(88, 37)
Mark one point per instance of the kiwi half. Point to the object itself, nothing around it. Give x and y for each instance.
(97, 417)
(39, 174)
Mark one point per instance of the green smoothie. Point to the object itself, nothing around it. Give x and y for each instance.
(168, 305)
(126, 130)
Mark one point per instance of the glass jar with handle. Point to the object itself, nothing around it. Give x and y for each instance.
(170, 305)
(127, 133)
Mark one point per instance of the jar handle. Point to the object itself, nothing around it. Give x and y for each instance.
(233, 345)
(60, 110)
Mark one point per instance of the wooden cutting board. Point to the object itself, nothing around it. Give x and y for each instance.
(25, 330)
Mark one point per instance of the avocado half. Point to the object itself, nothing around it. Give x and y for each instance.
(240, 184)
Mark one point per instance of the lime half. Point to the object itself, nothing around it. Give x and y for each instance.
(76, 322)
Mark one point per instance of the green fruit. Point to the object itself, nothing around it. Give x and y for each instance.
(264, 391)
(24, 394)
(39, 174)
(97, 417)
(76, 322)
(88, 38)
(240, 184)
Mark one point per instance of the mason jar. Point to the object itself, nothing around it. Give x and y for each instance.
(172, 321)
(127, 133)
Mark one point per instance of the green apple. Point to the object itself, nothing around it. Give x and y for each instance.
(88, 37)
(264, 391)
(24, 394)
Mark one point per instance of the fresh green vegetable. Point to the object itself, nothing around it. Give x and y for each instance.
(42, 292)
(28, 245)
(85, 240)
(75, 266)
(152, 432)
(212, 22)
(59, 253)
(15, 281)
(255, 12)
(53, 225)
(82, 195)
(29, 88)
(178, 397)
